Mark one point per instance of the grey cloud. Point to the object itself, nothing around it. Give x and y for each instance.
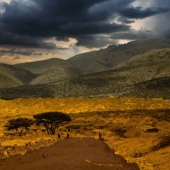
(161, 25)
(158, 3)
(14, 51)
(133, 34)
(125, 20)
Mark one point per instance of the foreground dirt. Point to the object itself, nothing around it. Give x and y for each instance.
(70, 154)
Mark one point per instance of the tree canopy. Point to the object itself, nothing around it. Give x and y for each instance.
(51, 120)
(19, 125)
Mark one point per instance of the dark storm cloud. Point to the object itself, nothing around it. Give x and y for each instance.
(79, 29)
(30, 23)
(138, 13)
(10, 38)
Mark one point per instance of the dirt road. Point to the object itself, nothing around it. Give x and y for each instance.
(69, 154)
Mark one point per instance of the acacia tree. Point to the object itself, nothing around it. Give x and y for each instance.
(51, 120)
(19, 125)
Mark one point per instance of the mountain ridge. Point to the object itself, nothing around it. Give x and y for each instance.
(38, 67)
(105, 59)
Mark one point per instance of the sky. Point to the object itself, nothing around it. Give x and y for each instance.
(32, 30)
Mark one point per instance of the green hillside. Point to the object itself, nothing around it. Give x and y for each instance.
(104, 59)
(150, 65)
(11, 76)
(38, 67)
(7, 82)
(155, 88)
(57, 73)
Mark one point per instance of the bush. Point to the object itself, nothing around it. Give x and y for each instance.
(19, 125)
(119, 131)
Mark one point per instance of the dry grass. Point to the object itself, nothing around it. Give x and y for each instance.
(121, 121)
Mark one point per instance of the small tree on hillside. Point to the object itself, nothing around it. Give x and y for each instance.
(20, 125)
(51, 120)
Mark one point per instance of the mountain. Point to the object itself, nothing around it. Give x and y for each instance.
(131, 78)
(11, 76)
(58, 73)
(105, 59)
(39, 67)
(128, 78)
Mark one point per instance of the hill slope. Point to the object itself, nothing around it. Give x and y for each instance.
(98, 87)
(38, 67)
(57, 73)
(155, 88)
(150, 65)
(11, 76)
(104, 59)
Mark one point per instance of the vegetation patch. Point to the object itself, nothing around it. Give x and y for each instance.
(119, 131)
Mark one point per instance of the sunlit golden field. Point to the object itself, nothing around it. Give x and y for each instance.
(126, 124)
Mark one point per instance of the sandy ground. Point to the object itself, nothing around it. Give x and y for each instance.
(70, 154)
